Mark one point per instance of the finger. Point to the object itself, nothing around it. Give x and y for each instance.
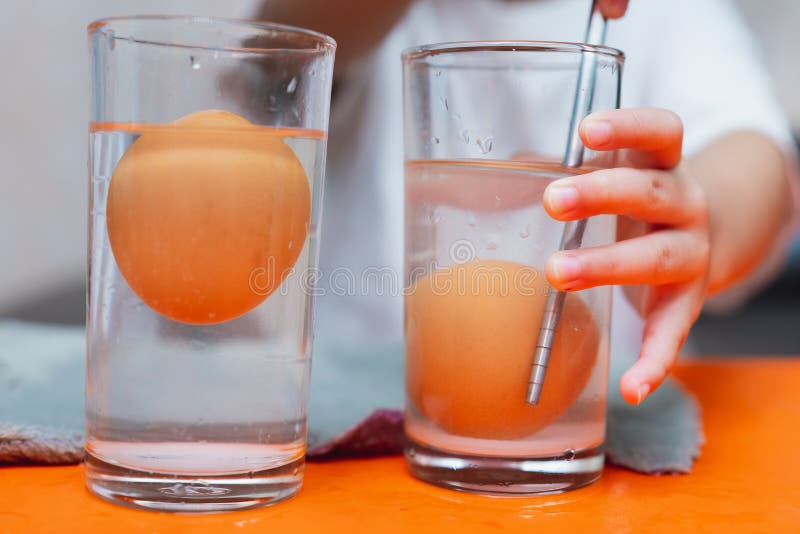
(657, 132)
(644, 194)
(665, 332)
(613, 9)
(663, 257)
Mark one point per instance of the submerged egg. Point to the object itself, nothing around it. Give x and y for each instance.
(471, 332)
(207, 216)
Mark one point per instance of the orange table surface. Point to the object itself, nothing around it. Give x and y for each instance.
(747, 480)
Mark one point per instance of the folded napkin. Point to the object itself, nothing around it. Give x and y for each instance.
(354, 409)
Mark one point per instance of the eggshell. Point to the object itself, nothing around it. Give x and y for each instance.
(207, 216)
(471, 332)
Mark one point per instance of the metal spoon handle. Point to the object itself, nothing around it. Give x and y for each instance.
(572, 237)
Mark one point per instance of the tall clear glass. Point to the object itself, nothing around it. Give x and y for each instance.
(486, 130)
(206, 159)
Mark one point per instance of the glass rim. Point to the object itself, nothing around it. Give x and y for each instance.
(416, 53)
(322, 41)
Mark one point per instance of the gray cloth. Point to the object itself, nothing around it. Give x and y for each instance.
(662, 435)
(354, 406)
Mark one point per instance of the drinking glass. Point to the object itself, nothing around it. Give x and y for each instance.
(486, 130)
(206, 160)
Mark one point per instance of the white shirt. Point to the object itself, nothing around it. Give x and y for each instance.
(695, 58)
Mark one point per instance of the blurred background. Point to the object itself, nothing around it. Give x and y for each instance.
(43, 192)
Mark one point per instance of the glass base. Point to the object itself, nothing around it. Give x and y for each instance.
(188, 493)
(504, 476)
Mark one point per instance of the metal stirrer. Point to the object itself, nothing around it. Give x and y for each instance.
(573, 230)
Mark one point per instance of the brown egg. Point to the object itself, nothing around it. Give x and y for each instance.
(471, 332)
(206, 216)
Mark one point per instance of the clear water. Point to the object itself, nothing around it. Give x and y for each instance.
(462, 210)
(173, 398)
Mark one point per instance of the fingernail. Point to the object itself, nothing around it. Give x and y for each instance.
(561, 198)
(566, 268)
(642, 393)
(597, 132)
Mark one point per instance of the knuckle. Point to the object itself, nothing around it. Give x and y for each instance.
(663, 260)
(657, 191)
(612, 267)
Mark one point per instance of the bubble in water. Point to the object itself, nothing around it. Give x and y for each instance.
(493, 240)
(569, 454)
(435, 217)
(472, 222)
(292, 86)
(526, 232)
(193, 491)
(194, 63)
(465, 135)
(437, 73)
(445, 105)
(485, 144)
(435, 140)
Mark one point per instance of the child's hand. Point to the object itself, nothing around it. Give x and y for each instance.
(669, 251)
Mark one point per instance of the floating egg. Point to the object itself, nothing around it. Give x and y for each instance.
(207, 216)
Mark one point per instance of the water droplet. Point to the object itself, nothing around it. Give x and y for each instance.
(485, 144)
(437, 73)
(526, 232)
(569, 454)
(445, 105)
(434, 217)
(290, 244)
(435, 140)
(497, 201)
(457, 116)
(194, 63)
(292, 86)
(313, 72)
(465, 135)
